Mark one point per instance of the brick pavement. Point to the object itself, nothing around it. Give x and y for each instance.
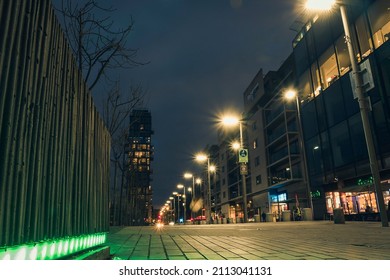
(312, 240)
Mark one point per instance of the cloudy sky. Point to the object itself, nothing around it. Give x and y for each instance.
(203, 54)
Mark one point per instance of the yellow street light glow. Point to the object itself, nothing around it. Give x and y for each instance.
(201, 157)
(290, 94)
(236, 145)
(180, 186)
(212, 168)
(230, 120)
(175, 193)
(320, 5)
(187, 175)
(198, 181)
(189, 189)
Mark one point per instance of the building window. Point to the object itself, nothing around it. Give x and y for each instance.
(258, 180)
(254, 126)
(341, 145)
(342, 55)
(255, 144)
(365, 42)
(257, 161)
(253, 93)
(223, 182)
(379, 15)
(305, 87)
(328, 68)
(224, 194)
(315, 74)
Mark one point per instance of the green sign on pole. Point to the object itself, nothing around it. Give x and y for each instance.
(243, 155)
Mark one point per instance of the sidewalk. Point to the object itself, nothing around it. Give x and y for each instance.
(314, 240)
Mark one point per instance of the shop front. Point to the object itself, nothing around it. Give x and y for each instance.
(358, 203)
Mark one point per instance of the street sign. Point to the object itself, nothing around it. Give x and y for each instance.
(366, 76)
(243, 169)
(243, 155)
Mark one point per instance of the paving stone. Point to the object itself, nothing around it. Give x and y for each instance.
(298, 240)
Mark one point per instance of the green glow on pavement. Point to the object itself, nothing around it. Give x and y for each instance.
(52, 249)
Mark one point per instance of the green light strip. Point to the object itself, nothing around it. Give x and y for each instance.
(53, 249)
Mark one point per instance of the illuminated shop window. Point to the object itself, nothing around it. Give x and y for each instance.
(304, 87)
(379, 15)
(343, 55)
(279, 197)
(365, 42)
(328, 68)
(315, 74)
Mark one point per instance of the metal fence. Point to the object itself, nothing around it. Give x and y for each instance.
(54, 148)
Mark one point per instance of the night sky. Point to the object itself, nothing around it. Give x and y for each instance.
(202, 55)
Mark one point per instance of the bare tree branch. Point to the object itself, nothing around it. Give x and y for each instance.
(97, 45)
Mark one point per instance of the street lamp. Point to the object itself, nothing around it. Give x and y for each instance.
(188, 176)
(178, 206)
(233, 121)
(210, 168)
(172, 208)
(291, 95)
(364, 103)
(169, 210)
(180, 186)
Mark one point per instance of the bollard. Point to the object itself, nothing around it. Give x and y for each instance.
(307, 214)
(286, 216)
(338, 216)
(270, 217)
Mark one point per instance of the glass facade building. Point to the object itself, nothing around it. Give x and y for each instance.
(337, 157)
(138, 204)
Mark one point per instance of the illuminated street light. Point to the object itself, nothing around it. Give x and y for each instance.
(178, 206)
(233, 121)
(203, 158)
(323, 5)
(191, 190)
(180, 186)
(236, 146)
(364, 105)
(291, 94)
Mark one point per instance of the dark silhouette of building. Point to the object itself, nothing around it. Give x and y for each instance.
(139, 150)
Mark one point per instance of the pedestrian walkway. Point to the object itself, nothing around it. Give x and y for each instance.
(311, 240)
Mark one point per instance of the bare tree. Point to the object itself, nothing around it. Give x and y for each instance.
(96, 44)
(98, 47)
(116, 112)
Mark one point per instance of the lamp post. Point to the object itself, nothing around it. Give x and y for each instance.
(292, 94)
(210, 168)
(364, 105)
(169, 209)
(172, 207)
(191, 190)
(180, 186)
(178, 206)
(230, 121)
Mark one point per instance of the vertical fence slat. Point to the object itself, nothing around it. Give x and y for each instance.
(54, 149)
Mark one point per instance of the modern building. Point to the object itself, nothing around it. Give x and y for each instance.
(139, 207)
(276, 172)
(337, 158)
(277, 164)
(229, 192)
